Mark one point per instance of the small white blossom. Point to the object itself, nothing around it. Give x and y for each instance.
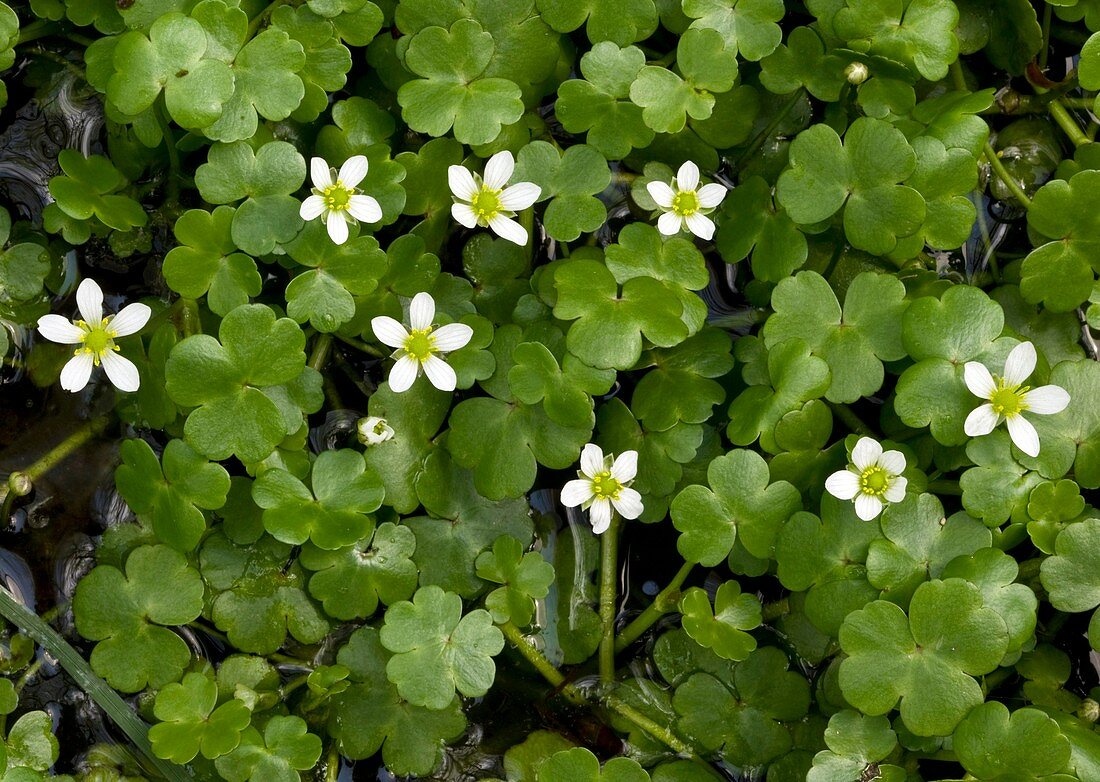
(486, 201)
(419, 348)
(603, 483)
(96, 334)
(1008, 398)
(374, 430)
(872, 479)
(338, 201)
(685, 203)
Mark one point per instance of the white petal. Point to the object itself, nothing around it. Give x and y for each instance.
(440, 374)
(57, 329)
(1020, 364)
(353, 171)
(662, 193)
(700, 225)
(365, 208)
(669, 223)
(389, 331)
(89, 300)
(509, 229)
(520, 196)
(320, 173)
(312, 208)
(592, 460)
(130, 319)
(75, 373)
(121, 371)
(687, 178)
(421, 311)
(711, 195)
(866, 453)
(576, 492)
(452, 337)
(842, 484)
(868, 506)
(895, 491)
(600, 516)
(464, 215)
(1023, 435)
(461, 182)
(499, 170)
(978, 380)
(403, 374)
(337, 227)
(628, 504)
(981, 421)
(893, 462)
(625, 467)
(1044, 400)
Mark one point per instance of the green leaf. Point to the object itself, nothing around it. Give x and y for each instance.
(571, 181)
(566, 392)
(722, 628)
(89, 187)
(192, 722)
(580, 765)
(750, 26)
(326, 62)
(679, 387)
(32, 745)
(918, 33)
(804, 62)
(620, 21)
(206, 263)
(285, 748)
(994, 573)
(753, 223)
(855, 742)
(1071, 575)
(524, 576)
(994, 745)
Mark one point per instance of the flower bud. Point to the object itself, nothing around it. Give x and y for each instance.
(374, 430)
(857, 73)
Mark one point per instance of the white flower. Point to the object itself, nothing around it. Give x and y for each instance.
(96, 336)
(418, 349)
(872, 479)
(486, 202)
(602, 483)
(1009, 398)
(684, 202)
(338, 202)
(374, 430)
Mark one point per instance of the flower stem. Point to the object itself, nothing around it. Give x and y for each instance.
(1067, 123)
(21, 482)
(319, 357)
(609, 571)
(1002, 173)
(361, 346)
(173, 184)
(527, 220)
(665, 602)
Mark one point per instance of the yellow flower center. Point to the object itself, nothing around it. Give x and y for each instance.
(380, 427)
(874, 481)
(685, 203)
(605, 487)
(337, 197)
(486, 204)
(1008, 401)
(420, 344)
(97, 340)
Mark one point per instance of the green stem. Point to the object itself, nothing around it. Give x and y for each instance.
(173, 155)
(1047, 14)
(36, 30)
(609, 574)
(189, 321)
(20, 482)
(527, 220)
(850, 419)
(763, 135)
(945, 487)
(1002, 173)
(361, 346)
(772, 611)
(332, 767)
(77, 667)
(958, 76)
(319, 357)
(254, 25)
(665, 602)
(1067, 123)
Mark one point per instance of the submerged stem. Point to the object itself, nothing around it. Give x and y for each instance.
(319, 357)
(1067, 123)
(1002, 173)
(609, 571)
(665, 602)
(21, 482)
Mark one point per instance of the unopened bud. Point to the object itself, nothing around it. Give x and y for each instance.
(857, 73)
(19, 484)
(1089, 710)
(374, 430)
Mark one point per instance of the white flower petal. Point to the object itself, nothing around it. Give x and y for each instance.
(507, 228)
(662, 193)
(868, 506)
(842, 484)
(440, 374)
(1044, 400)
(499, 170)
(1023, 435)
(121, 371)
(75, 373)
(600, 516)
(320, 173)
(365, 208)
(464, 215)
(893, 462)
(700, 225)
(628, 504)
(866, 453)
(89, 300)
(403, 374)
(1020, 364)
(520, 196)
(978, 379)
(576, 492)
(592, 460)
(421, 311)
(58, 329)
(353, 171)
(669, 223)
(389, 331)
(625, 467)
(895, 490)
(461, 182)
(337, 227)
(130, 319)
(687, 178)
(312, 208)
(981, 420)
(711, 195)
(452, 337)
